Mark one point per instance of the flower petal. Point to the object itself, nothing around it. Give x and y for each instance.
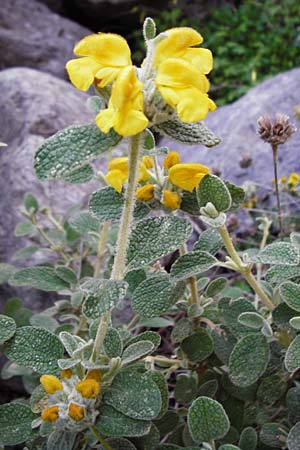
(193, 105)
(130, 122)
(116, 179)
(200, 58)
(104, 119)
(178, 40)
(179, 73)
(106, 75)
(106, 48)
(119, 163)
(187, 175)
(82, 72)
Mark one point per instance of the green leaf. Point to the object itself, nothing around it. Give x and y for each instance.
(189, 203)
(292, 356)
(148, 137)
(35, 348)
(251, 320)
(290, 294)
(198, 346)
(70, 342)
(134, 278)
(191, 264)
(271, 389)
(279, 274)
(231, 310)
(156, 322)
(39, 277)
(229, 447)
(6, 271)
(272, 435)
(182, 329)
(30, 202)
(162, 385)
(7, 328)
(107, 204)
(167, 423)
(25, 252)
(70, 149)
(207, 420)
(154, 296)
(15, 423)
(81, 175)
(113, 345)
(151, 336)
(24, 229)
(209, 241)
(293, 440)
(213, 190)
(295, 240)
(137, 351)
(122, 395)
(188, 133)
(44, 321)
(277, 253)
(293, 404)
(185, 389)
(156, 237)
(237, 194)
(84, 222)
(215, 287)
(105, 296)
(66, 274)
(244, 371)
(113, 423)
(248, 439)
(118, 444)
(61, 440)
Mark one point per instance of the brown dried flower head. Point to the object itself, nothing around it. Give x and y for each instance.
(275, 130)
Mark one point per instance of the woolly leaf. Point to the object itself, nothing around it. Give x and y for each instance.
(248, 439)
(209, 241)
(277, 253)
(137, 351)
(35, 348)
(105, 296)
(15, 423)
(198, 346)
(39, 277)
(113, 345)
(213, 190)
(7, 328)
(290, 294)
(191, 264)
(70, 150)
(155, 237)
(122, 395)
(61, 440)
(244, 371)
(293, 440)
(111, 422)
(207, 420)
(292, 356)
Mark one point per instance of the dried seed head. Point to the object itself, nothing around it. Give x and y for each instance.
(276, 130)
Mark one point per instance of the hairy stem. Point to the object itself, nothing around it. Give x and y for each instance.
(192, 281)
(100, 438)
(244, 270)
(127, 214)
(275, 162)
(101, 248)
(123, 238)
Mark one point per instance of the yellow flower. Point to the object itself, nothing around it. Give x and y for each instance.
(187, 175)
(125, 107)
(50, 414)
(294, 178)
(171, 159)
(180, 43)
(76, 412)
(118, 172)
(145, 193)
(51, 384)
(94, 374)
(66, 373)
(104, 55)
(88, 388)
(171, 199)
(147, 160)
(184, 89)
(283, 179)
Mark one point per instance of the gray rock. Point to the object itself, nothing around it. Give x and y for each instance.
(236, 125)
(34, 106)
(33, 36)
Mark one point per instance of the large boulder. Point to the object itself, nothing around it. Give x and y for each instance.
(34, 106)
(33, 36)
(236, 125)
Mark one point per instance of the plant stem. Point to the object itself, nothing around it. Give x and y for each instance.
(244, 270)
(192, 281)
(127, 214)
(275, 162)
(101, 248)
(123, 238)
(212, 444)
(266, 223)
(100, 438)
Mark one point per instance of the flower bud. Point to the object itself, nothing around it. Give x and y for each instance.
(66, 373)
(50, 414)
(76, 412)
(149, 29)
(171, 159)
(94, 374)
(171, 199)
(51, 384)
(88, 388)
(145, 193)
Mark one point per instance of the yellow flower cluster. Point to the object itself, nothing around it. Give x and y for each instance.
(68, 397)
(290, 184)
(177, 176)
(178, 71)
